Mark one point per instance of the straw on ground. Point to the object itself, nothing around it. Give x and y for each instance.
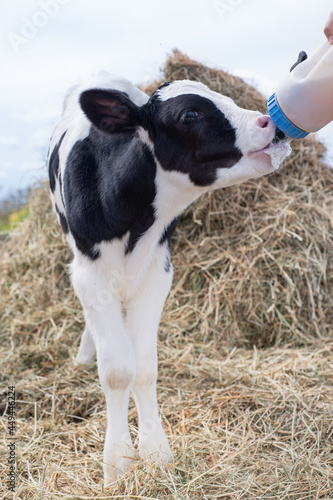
(245, 350)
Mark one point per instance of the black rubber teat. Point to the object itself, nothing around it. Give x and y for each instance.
(279, 135)
(301, 57)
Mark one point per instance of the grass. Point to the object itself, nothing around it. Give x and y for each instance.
(14, 219)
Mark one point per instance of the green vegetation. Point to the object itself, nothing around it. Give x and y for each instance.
(14, 209)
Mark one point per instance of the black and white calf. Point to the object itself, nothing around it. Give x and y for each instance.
(122, 168)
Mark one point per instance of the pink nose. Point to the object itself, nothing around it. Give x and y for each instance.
(265, 121)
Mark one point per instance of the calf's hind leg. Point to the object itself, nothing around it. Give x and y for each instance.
(87, 350)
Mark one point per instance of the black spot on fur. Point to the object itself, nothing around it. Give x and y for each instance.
(109, 188)
(54, 164)
(167, 264)
(169, 230)
(196, 143)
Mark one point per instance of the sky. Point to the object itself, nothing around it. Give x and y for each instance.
(46, 46)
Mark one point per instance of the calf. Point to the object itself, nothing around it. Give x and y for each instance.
(122, 168)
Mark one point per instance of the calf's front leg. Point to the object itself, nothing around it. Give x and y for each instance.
(142, 320)
(116, 365)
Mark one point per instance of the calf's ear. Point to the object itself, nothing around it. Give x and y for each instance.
(110, 110)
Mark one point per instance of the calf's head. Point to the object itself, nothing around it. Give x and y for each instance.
(194, 131)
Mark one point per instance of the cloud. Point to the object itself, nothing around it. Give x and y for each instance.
(8, 141)
(41, 137)
(30, 166)
(37, 115)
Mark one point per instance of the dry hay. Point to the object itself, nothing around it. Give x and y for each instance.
(245, 350)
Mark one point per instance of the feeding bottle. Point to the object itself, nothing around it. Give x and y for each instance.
(303, 102)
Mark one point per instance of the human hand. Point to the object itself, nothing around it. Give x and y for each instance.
(328, 29)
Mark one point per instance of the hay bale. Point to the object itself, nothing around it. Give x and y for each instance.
(253, 267)
(254, 263)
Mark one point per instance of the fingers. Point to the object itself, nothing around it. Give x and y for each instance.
(328, 29)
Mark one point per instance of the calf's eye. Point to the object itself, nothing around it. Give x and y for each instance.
(189, 116)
